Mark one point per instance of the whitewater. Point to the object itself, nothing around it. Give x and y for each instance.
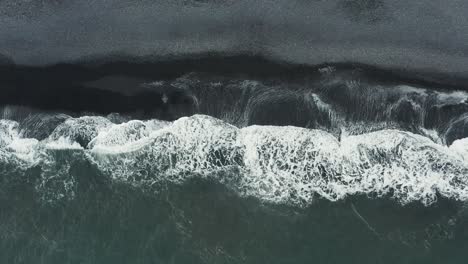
(275, 164)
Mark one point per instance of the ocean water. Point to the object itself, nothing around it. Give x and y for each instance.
(334, 167)
(246, 131)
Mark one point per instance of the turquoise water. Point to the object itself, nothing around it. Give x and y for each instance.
(220, 131)
(204, 222)
(241, 181)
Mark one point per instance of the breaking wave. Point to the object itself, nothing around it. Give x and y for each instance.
(279, 164)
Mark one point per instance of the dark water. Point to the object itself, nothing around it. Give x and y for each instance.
(204, 222)
(247, 131)
(231, 160)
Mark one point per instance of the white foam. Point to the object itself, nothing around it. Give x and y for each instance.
(286, 163)
(409, 167)
(121, 136)
(290, 164)
(8, 131)
(62, 143)
(11, 142)
(23, 148)
(82, 129)
(276, 164)
(460, 146)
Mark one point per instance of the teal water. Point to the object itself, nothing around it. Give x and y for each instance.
(199, 190)
(202, 221)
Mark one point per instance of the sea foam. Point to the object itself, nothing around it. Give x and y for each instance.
(279, 164)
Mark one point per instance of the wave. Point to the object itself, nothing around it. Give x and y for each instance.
(279, 164)
(331, 132)
(332, 97)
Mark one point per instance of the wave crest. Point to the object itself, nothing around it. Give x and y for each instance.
(276, 164)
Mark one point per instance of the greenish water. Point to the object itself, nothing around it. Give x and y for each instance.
(202, 221)
(201, 191)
